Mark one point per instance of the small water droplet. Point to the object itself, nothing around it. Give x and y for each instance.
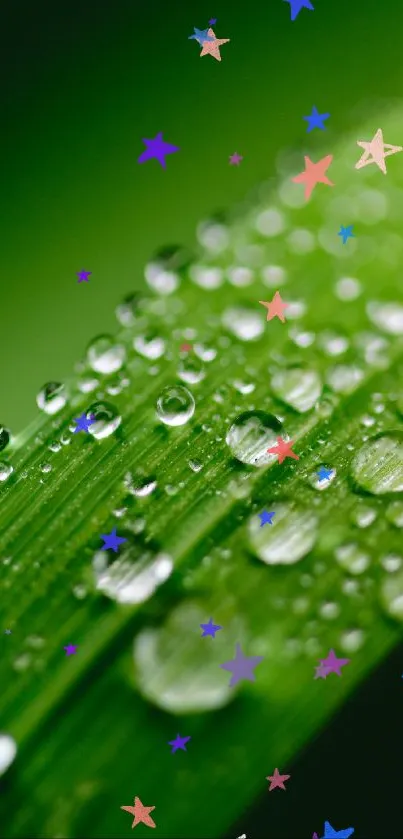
(45, 468)
(392, 595)
(8, 751)
(391, 563)
(297, 387)
(127, 311)
(55, 446)
(329, 611)
(191, 370)
(80, 591)
(243, 387)
(204, 352)
(107, 419)
(195, 465)
(5, 470)
(240, 276)
(291, 536)
(104, 355)
(333, 343)
(134, 575)
(52, 398)
(348, 288)
(352, 640)
(246, 324)
(4, 437)
(322, 483)
(344, 378)
(207, 276)
(150, 345)
(251, 434)
(352, 558)
(273, 276)
(386, 316)
(175, 406)
(363, 516)
(378, 466)
(394, 513)
(139, 485)
(163, 271)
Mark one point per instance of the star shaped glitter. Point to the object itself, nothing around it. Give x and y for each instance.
(275, 308)
(201, 35)
(241, 666)
(266, 518)
(324, 474)
(331, 833)
(83, 276)
(333, 663)
(277, 780)
(70, 649)
(314, 173)
(375, 151)
(186, 347)
(210, 628)
(7, 631)
(297, 5)
(316, 120)
(140, 813)
(179, 743)
(321, 671)
(213, 47)
(346, 233)
(83, 423)
(112, 541)
(212, 21)
(235, 159)
(283, 450)
(158, 148)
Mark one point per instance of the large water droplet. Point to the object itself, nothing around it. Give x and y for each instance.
(191, 370)
(352, 558)
(134, 575)
(245, 324)
(4, 437)
(107, 419)
(251, 434)
(104, 355)
(392, 595)
(298, 388)
(176, 670)
(387, 316)
(344, 378)
(175, 405)
(52, 398)
(291, 536)
(8, 751)
(150, 345)
(378, 466)
(5, 470)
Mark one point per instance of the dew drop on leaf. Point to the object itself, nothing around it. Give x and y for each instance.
(392, 595)
(175, 406)
(52, 398)
(352, 558)
(191, 370)
(298, 388)
(8, 751)
(107, 419)
(378, 466)
(134, 575)
(5, 470)
(291, 536)
(150, 345)
(251, 434)
(4, 437)
(104, 355)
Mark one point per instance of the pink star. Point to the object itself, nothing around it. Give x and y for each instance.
(277, 780)
(213, 47)
(235, 159)
(333, 663)
(283, 450)
(321, 671)
(140, 813)
(376, 151)
(186, 347)
(314, 173)
(275, 308)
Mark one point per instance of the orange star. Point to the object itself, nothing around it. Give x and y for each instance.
(283, 450)
(314, 173)
(140, 813)
(213, 47)
(275, 307)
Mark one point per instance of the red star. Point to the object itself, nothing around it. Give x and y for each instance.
(283, 450)
(140, 813)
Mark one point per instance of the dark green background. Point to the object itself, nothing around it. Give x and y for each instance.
(83, 82)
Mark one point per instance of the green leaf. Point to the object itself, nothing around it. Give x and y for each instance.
(92, 729)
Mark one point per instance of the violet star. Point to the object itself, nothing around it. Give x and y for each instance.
(210, 628)
(241, 666)
(333, 663)
(70, 649)
(112, 541)
(179, 743)
(83, 276)
(83, 423)
(156, 147)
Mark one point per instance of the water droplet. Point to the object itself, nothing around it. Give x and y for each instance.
(270, 222)
(378, 466)
(181, 677)
(251, 434)
(297, 387)
(386, 316)
(107, 419)
(213, 235)
(394, 513)
(87, 384)
(273, 276)
(55, 446)
(80, 591)
(8, 751)
(391, 563)
(352, 640)
(246, 324)
(332, 343)
(240, 276)
(322, 483)
(291, 536)
(162, 272)
(134, 575)
(52, 398)
(150, 345)
(127, 311)
(301, 241)
(344, 378)
(5, 470)
(329, 611)
(207, 276)
(139, 485)
(175, 405)
(243, 387)
(363, 516)
(348, 288)
(191, 370)
(352, 558)
(195, 465)
(45, 468)
(392, 595)
(205, 353)
(300, 337)
(4, 437)
(104, 355)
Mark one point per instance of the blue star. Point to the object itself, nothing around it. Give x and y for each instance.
(210, 628)
(212, 21)
(179, 743)
(200, 35)
(112, 541)
(316, 120)
(83, 423)
(324, 474)
(266, 518)
(297, 5)
(345, 233)
(331, 833)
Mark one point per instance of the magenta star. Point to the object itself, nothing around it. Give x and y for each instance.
(157, 148)
(333, 663)
(83, 276)
(70, 649)
(321, 671)
(235, 159)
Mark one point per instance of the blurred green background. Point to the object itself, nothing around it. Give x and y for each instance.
(83, 82)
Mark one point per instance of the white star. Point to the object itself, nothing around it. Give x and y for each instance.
(375, 151)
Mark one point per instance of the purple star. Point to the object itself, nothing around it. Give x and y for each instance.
(333, 663)
(321, 671)
(70, 649)
(241, 666)
(112, 541)
(83, 276)
(83, 423)
(210, 628)
(157, 148)
(179, 743)
(212, 21)
(297, 5)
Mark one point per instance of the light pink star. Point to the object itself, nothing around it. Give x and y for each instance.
(213, 47)
(140, 813)
(235, 159)
(277, 780)
(275, 308)
(375, 151)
